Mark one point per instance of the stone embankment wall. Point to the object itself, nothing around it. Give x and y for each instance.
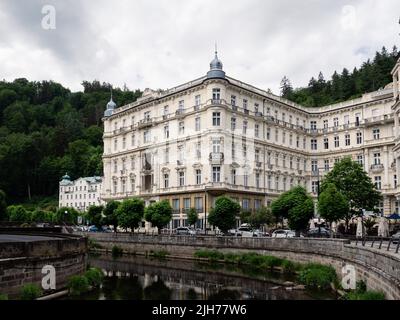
(378, 268)
(22, 262)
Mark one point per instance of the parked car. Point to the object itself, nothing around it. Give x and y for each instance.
(93, 229)
(283, 233)
(247, 232)
(396, 237)
(319, 232)
(185, 231)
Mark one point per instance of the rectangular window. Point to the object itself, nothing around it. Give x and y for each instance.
(326, 165)
(216, 173)
(246, 179)
(360, 159)
(246, 204)
(314, 166)
(216, 118)
(359, 137)
(166, 155)
(336, 141)
(166, 180)
(233, 101)
(198, 176)
(378, 182)
(123, 142)
(347, 139)
(314, 186)
(376, 133)
(257, 180)
(181, 178)
(377, 158)
(268, 133)
(313, 125)
(233, 124)
(181, 105)
(115, 144)
(198, 150)
(269, 182)
(244, 126)
(326, 143)
(197, 124)
(325, 124)
(166, 132)
(198, 204)
(175, 206)
(256, 130)
(146, 136)
(216, 94)
(313, 144)
(233, 176)
(335, 122)
(197, 100)
(186, 203)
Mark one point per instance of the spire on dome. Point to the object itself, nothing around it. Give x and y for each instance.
(111, 105)
(216, 67)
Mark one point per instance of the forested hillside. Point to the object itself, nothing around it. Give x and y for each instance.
(346, 85)
(46, 130)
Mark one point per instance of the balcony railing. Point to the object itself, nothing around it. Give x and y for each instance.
(216, 157)
(145, 122)
(377, 167)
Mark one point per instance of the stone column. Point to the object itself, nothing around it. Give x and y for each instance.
(387, 210)
(386, 164)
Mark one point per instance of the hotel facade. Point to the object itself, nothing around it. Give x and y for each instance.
(219, 136)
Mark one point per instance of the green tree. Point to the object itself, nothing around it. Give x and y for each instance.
(332, 205)
(259, 217)
(95, 215)
(159, 214)
(18, 214)
(354, 184)
(130, 213)
(111, 213)
(192, 216)
(295, 205)
(223, 216)
(66, 215)
(3, 206)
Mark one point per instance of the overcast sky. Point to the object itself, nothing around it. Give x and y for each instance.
(164, 43)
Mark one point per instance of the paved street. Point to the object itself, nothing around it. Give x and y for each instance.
(22, 238)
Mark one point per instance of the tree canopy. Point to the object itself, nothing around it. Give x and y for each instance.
(130, 213)
(223, 215)
(354, 184)
(47, 130)
(344, 85)
(296, 205)
(332, 204)
(159, 214)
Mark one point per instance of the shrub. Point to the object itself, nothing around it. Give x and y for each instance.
(3, 297)
(317, 276)
(272, 262)
(116, 251)
(212, 255)
(231, 257)
(367, 295)
(159, 254)
(94, 276)
(78, 285)
(288, 266)
(93, 244)
(30, 291)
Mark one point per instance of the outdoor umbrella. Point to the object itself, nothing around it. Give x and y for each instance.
(312, 224)
(359, 232)
(383, 228)
(334, 226)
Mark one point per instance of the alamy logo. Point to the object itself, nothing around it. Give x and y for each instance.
(49, 20)
(349, 277)
(49, 278)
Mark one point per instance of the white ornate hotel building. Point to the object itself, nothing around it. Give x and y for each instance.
(81, 193)
(217, 135)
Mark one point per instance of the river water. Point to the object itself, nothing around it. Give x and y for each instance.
(141, 278)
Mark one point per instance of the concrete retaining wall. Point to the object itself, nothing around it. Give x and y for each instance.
(22, 262)
(378, 268)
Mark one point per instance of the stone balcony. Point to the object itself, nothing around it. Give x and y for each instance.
(216, 157)
(377, 168)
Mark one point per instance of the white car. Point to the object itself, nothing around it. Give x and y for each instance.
(247, 232)
(185, 231)
(281, 233)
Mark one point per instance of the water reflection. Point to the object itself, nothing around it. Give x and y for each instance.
(140, 278)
